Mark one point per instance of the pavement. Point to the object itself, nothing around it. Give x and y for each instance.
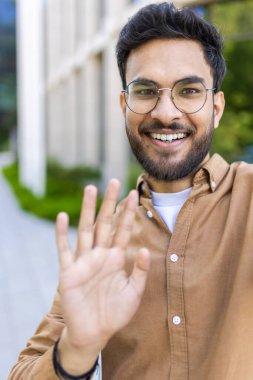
(28, 273)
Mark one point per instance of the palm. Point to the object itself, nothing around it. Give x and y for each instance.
(98, 297)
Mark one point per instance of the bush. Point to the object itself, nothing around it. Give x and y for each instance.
(64, 191)
(234, 134)
(134, 171)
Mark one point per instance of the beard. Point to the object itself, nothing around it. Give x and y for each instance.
(163, 168)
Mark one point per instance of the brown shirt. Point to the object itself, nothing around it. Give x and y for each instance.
(195, 321)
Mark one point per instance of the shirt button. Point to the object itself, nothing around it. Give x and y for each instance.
(149, 214)
(176, 320)
(174, 258)
(213, 184)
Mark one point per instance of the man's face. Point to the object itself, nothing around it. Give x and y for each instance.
(165, 62)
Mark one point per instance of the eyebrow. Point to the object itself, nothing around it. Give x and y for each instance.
(145, 80)
(191, 79)
(186, 80)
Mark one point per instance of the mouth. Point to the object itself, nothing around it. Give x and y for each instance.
(168, 137)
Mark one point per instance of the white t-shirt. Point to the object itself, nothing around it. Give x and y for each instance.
(168, 205)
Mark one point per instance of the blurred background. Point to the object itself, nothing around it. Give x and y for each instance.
(61, 127)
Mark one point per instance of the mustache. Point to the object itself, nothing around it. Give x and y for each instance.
(174, 127)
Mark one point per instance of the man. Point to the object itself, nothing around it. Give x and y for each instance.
(163, 288)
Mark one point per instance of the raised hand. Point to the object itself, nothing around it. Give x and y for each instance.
(97, 296)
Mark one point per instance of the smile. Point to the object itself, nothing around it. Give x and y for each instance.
(168, 137)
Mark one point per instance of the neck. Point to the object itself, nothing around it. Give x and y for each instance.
(170, 187)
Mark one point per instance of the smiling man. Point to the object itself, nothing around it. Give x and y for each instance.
(163, 287)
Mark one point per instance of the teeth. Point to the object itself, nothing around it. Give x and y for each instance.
(169, 137)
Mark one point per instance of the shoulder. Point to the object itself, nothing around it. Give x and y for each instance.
(243, 172)
(242, 184)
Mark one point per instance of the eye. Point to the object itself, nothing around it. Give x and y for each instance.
(142, 90)
(145, 91)
(189, 91)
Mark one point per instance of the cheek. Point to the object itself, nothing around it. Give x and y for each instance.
(133, 120)
(202, 125)
(129, 121)
(203, 120)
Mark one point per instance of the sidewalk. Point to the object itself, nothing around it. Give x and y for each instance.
(28, 274)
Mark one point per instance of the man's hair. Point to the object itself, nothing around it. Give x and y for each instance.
(164, 20)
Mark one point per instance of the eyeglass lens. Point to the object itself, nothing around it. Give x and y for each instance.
(143, 96)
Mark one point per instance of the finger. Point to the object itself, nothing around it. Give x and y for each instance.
(104, 219)
(125, 226)
(87, 218)
(63, 247)
(140, 270)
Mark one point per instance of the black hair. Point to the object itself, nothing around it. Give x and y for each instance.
(164, 20)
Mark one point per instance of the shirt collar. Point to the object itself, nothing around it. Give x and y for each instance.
(212, 173)
(216, 168)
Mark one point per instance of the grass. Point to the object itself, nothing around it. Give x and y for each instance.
(64, 191)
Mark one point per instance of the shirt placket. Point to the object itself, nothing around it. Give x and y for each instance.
(175, 294)
(176, 320)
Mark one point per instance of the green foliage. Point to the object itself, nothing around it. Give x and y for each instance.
(235, 133)
(238, 84)
(8, 122)
(64, 191)
(233, 17)
(134, 170)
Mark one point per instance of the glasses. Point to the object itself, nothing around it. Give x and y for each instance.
(188, 97)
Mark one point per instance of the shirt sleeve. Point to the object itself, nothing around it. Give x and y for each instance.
(35, 361)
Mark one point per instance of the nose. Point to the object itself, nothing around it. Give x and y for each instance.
(165, 110)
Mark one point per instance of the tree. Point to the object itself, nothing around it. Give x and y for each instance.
(236, 23)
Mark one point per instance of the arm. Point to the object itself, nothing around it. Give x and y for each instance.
(97, 296)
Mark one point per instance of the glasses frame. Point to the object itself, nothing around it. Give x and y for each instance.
(159, 90)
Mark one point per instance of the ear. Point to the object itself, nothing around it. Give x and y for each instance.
(219, 104)
(122, 103)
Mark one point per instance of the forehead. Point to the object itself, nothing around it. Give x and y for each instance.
(166, 61)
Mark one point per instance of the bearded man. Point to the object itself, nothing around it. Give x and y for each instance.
(163, 287)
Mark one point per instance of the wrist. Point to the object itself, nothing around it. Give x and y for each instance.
(65, 375)
(77, 359)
